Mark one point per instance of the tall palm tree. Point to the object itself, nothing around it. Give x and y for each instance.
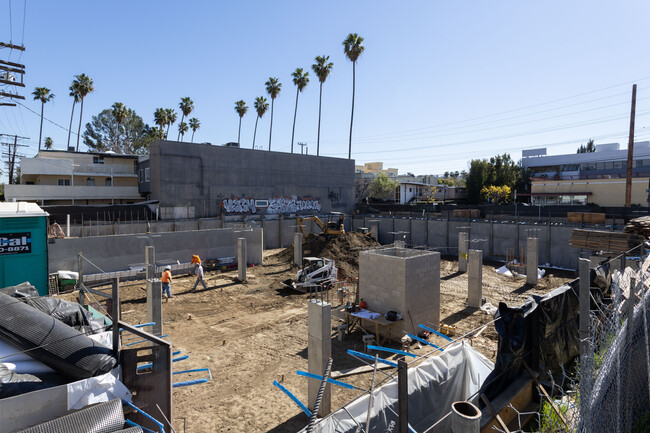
(85, 85)
(182, 129)
(160, 119)
(194, 125)
(273, 87)
(322, 68)
(171, 118)
(353, 47)
(74, 93)
(241, 108)
(119, 112)
(300, 80)
(187, 106)
(260, 106)
(42, 94)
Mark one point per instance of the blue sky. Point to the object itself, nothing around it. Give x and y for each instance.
(440, 83)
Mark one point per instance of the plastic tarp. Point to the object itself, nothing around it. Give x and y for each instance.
(96, 390)
(433, 386)
(70, 313)
(22, 290)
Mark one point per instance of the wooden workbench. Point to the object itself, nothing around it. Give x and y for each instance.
(352, 321)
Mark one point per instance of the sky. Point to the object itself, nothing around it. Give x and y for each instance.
(439, 83)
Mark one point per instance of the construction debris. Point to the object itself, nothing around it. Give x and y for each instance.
(639, 226)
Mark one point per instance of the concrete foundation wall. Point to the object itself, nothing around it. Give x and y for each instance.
(116, 253)
(419, 233)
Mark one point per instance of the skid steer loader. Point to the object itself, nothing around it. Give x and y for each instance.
(316, 273)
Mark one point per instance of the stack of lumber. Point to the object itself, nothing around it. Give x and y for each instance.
(613, 242)
(639, 226)
(466, 213)
(586, 217)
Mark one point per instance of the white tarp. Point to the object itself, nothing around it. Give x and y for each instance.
(97, 389)
(434, 385)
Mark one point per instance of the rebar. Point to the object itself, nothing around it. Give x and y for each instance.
(319, 396)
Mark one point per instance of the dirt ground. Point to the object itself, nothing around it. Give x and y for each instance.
(252, 334)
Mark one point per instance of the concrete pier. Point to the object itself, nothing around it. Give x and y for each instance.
(154, 291)
(532, 260)
(241, 259)
(319, 350)
(462, 252)
(475, 279)
(297, 249)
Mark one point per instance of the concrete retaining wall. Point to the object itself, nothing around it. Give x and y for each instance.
(116, 253)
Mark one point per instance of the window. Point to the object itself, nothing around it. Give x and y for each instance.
(410, 189)
(98, 159)
(90, 181)
(589, 166)
(618, 164)
(141, 175)
(108, 182)
(146, 174)
(64, 182)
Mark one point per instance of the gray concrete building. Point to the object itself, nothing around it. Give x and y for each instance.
(205, 180)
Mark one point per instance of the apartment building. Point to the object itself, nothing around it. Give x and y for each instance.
(581, 178)
(58, 177)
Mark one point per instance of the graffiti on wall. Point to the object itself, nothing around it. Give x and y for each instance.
(275, 205)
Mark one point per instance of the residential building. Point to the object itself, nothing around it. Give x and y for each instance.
(410, 191)
(375, 168)
(581, 178)
(58, 177)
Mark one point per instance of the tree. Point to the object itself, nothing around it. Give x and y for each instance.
(383, 187)
(74, 93)
(496, 194)
(300, 80)
(42, 94)
(241, 108)
(499, 170)
(48, 143)
(261, 106)
(132, 136)
(353, 47)
(84, 85)
(194, 125)
(187, 106)
(160, 119)
(361, 188)
(119, 112)
(589, 148)
(322, 68)
(171, 118)
(273, 87)
(182, 129)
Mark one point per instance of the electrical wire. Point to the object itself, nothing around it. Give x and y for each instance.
(45, 118)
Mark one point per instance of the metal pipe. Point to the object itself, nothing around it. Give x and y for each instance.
(465, 417)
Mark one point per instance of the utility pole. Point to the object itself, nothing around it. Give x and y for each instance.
(302, 146)
(11, 154)
(630, 153)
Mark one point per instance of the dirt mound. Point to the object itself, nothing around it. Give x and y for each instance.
(343, 249)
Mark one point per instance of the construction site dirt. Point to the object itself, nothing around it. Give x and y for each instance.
(253, 333)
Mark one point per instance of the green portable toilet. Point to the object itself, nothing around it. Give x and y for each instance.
(23, 245)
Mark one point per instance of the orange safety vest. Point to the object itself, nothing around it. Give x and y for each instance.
(166, 277)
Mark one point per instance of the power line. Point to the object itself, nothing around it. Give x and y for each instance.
(45, 118)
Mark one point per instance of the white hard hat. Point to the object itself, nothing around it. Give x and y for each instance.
(168, 268)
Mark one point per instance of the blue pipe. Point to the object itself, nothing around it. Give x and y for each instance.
(435, 332)
(329, 380)
(180, 358)
(146, 415)
(371, 358)
(132, 424)
(143, 341)
(194, 370)
(190, 382)
(292, 397)
(421, 340)
(142, 325)
(178, 352)
(388, 349)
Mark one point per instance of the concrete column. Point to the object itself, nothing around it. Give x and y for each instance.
(297, 249)
(400, 244)
(319, 350)
(475, 279)
(532, 260)
(154, 305)
(462, 252)
(435, 292)
(150, 262)
(67, 226)
(241, 259)
(374, 232)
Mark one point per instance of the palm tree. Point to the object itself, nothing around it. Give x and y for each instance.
(43, 94)
(241, 109)
(119, 112)
(74, 93)
(353, 47)
(160, 119)
(260, 106)
(48, 143)
(194, 125)
(273, 87)
(182, 129)
(300, 79)
(322, 69)
(85, 85)
(171, 118)
(187, 106)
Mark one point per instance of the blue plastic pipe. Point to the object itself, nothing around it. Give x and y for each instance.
(329, 380)
(388, 349)
(194, 370)
(421, 340)
(292, 397)
(146, 415)
(371, 358)
(190, 382)
(435, 332)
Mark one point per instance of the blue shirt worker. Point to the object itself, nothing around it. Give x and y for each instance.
(198, 270)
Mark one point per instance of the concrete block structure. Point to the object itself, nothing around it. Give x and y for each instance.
(462, 251)
(402, 280)
(319, 350)
(532, 260)
(475, 279)
(215, 179)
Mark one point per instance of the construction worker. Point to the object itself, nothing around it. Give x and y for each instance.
(198, 270)
(166, 280)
